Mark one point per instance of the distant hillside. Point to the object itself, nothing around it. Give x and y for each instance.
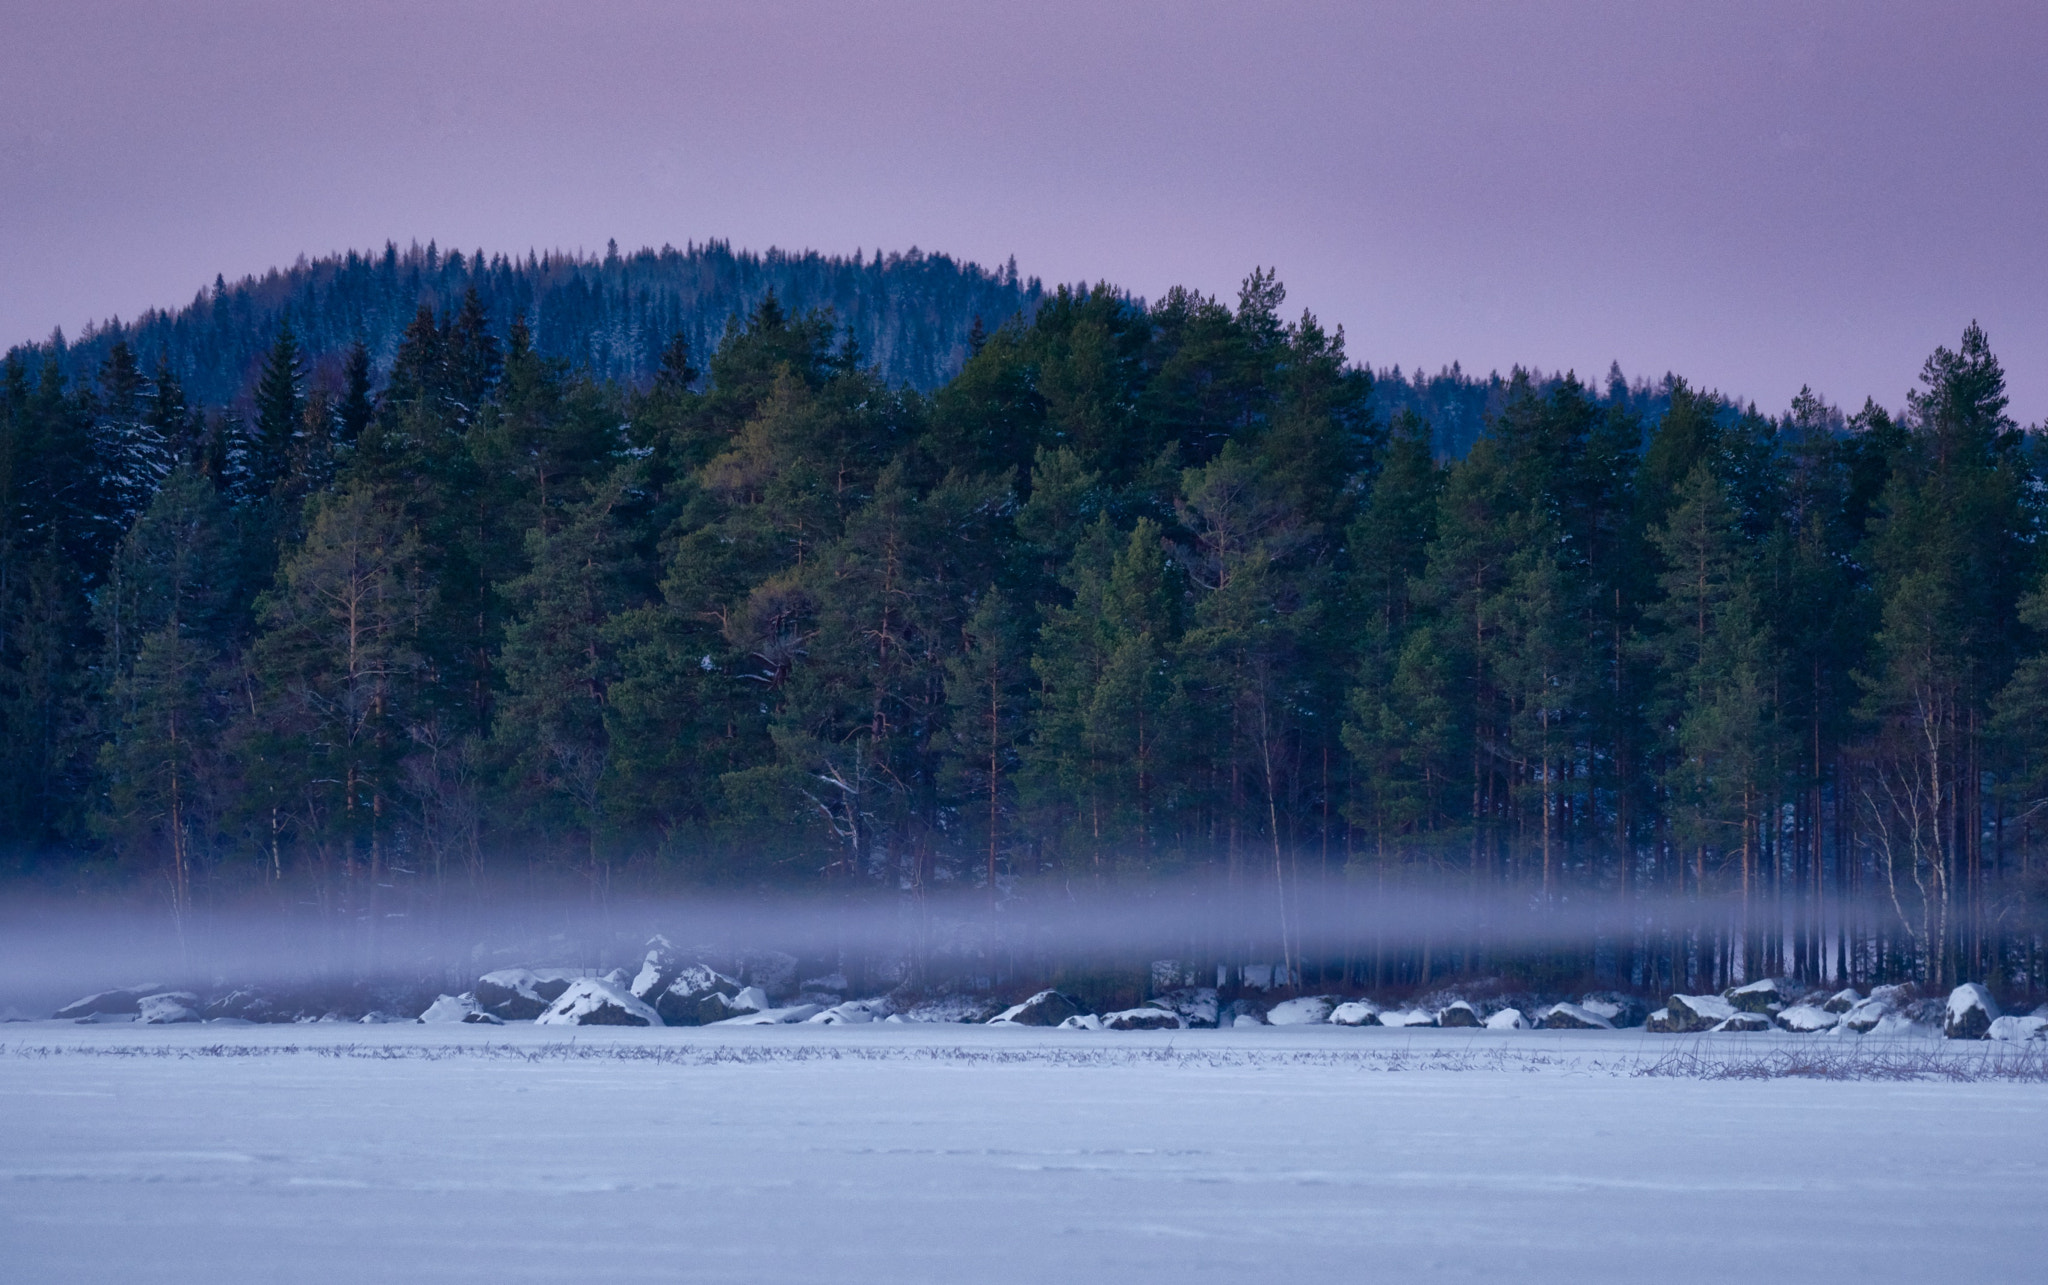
(1457, 405)
(910, 313)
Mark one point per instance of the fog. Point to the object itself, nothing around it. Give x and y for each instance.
(53, 950)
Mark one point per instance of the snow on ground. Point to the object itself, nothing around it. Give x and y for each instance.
(922, 1152)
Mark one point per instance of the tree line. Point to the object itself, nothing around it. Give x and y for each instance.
(609, 315)
(1144, 593)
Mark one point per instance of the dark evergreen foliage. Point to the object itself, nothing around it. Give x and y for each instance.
(651, 568)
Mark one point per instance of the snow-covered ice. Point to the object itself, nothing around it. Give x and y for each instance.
(922, 1152)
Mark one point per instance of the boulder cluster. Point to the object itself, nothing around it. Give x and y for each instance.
(677, 988)
(671, 988)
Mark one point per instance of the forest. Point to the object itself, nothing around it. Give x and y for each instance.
(1116, 594)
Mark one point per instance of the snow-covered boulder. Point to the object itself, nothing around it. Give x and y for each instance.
(1843, 1000)
(249, 1004)
(970, 1009)
(698, 993)
(1807, 1019)
(2033, 1026)
(125, 1002)
(1697, 1012)
(1196, 1005)
(1407, 1017)
(1571, 1017)
(1743, 1022)
(1247, 1019)
(1082, 1022)
(1457, 1013)
(1970, 1013)
(598, 1001)
(522, 994)
(168, 1008)
(717, 1007)
(1146, 1018)
(1865, 1015)
(788, 1015)
(1355, 1012)
(1309, 1010)
(452, 1008)
(1508, 1019)
(1621, 1011)
(854, 1012)
(1046, 1008)
(1763, 996)
(1662, 1023)
(658, 969)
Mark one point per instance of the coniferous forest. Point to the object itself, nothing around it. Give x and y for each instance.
(391, 580)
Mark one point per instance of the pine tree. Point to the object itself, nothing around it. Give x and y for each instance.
(274, 435)
(988, 697)
(133, 455)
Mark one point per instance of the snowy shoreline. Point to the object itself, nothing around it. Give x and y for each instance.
(1616, 1054)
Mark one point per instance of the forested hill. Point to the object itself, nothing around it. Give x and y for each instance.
(1144, 591)
(910, 314)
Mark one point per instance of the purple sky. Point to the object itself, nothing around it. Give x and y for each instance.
(1755, 196)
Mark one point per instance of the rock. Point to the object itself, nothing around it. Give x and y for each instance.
(598, 1001)
(1046, 1008)
(855, 1012)
(1898, 996)
(786, 1016)
(1236, 1009)
(1762, 996)
(1807, 1019)
(1082, 1022)
(657, 970)
(1142, 1019)
(1662, 1023)
(1407, 1017)
(126, 1001)
(1697, 1012)
(1355, 1012)
(1457, 1013)
(450, 1008)
(522, 994)
(248, 1004)
(717, 1006)
(1621, 1011)
(1508, 1019)
(1843, 1000)
(1571, 1017)
(1196, 1005)
(168, 1008)
(1743, 1022)
(2031, 1027)
(1970, 1012)
(481, 1018)
(1309, 1010)
(1865, 1015)
(685, 1000)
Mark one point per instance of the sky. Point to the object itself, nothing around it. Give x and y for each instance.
(1755, 196)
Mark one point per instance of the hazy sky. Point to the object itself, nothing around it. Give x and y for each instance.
(1755, 196)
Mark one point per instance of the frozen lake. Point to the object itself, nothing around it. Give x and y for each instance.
(947, 1153)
